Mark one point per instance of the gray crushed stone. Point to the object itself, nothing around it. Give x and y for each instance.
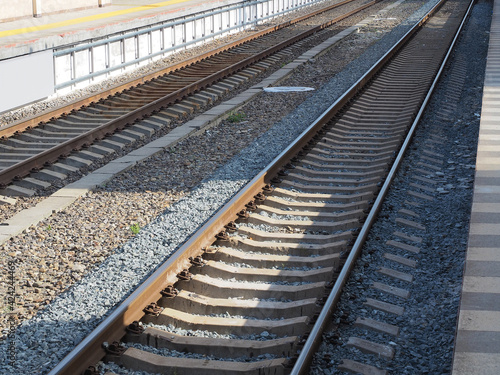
(73, 314)
(426, 340)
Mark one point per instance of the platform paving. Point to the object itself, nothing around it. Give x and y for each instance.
(477, 345)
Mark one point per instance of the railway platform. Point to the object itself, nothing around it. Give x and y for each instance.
(29, 35)
(477, 343)
(72, 50)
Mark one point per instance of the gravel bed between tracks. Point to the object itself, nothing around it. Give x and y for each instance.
(425, 344)
(40, 342)
(315, 79)
(9, 117)
(132, 202)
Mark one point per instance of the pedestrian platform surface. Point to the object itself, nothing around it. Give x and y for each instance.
(29, 35)
(477, 344)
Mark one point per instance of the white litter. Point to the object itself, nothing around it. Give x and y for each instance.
(287, 89)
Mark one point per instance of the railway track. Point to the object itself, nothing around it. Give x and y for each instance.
(45, 148)
(265, 273)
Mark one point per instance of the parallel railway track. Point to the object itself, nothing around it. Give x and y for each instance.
(101, 124)
(272, 262)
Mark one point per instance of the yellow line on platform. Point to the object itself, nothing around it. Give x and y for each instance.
(30, 29)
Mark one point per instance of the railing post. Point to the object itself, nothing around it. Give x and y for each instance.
(37, 8)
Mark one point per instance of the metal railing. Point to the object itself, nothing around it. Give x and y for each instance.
(84, 62)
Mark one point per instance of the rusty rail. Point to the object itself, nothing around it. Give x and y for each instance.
(314, 339)
(89, 351)
(51, 155)
(24, 124)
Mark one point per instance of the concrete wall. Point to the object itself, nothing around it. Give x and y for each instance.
(17, 9)
(26, 79)
(52, 6)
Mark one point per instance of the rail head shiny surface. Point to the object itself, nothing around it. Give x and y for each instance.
(24, 167)
(125, 314)
(302, 364)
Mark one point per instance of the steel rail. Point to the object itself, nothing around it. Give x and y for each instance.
(113, 327)
(89, 351)
(314, 339)
(22, 125)
(51, 155)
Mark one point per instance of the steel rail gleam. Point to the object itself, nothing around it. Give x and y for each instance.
(33, 144)
(315, 194)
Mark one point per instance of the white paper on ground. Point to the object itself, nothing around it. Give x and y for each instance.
(287, 89)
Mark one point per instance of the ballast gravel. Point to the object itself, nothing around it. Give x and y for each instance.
(42, 341)
(175, 353)
(238, 138)
(428, 325)
(9, 117)
(263, 336)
